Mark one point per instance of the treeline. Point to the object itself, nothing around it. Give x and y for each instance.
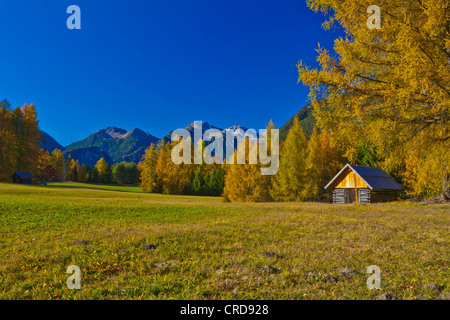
(159, 174)
(305, 167)
(20, 140)
(58, 168)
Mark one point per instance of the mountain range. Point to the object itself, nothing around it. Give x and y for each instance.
(117, 145)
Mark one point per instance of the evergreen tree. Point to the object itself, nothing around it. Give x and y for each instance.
(83, 173)
(198, 183)
(119, 173)
(131, 173)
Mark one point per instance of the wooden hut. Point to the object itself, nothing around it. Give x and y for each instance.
(363, 184)
(22, 177)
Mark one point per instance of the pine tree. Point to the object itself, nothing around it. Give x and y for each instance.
(83, 173)
(119, 173)
(131, 173)
(198, 183)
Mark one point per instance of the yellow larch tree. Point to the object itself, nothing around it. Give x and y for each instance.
(390, 85)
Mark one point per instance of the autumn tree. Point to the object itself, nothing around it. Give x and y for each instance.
(57, 161)
(388, 86)
(19, 140)
(8, 160)
(323, 161)
(147, 169)
(103, 170)
(32, 137)
(44, 161)
(72, 170)
(172, 178)
(289, 183)
(244, 182)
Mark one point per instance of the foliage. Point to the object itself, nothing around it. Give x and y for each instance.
(244, 182)
(57, 161)
(290, 181)
(103, 170)
(125, 173)
(388, 87)
(20, 139)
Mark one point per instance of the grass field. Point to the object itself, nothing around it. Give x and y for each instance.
(208, 249)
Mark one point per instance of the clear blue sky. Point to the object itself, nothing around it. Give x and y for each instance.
(157, 65)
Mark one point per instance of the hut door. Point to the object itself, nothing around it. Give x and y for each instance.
(349, 195)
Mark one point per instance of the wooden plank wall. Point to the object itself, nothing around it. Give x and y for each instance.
(339, 195)
(349, 181)
(364, 195)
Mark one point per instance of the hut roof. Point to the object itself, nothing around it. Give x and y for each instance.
(24, 174)
(375, 178)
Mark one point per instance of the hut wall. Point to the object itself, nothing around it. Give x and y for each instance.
(364, 195)
(349, 181)
(347, 195)
(339, 196)
(384, 195)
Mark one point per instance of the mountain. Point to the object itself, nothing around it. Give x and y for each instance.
(88, 155)
(119, 144)
(206, 126)
(306, 119)
(50, 144)
(190, 128)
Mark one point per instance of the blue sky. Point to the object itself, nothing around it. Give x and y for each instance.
(157, 65)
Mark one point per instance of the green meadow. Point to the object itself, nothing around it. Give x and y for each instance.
(209, 249)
